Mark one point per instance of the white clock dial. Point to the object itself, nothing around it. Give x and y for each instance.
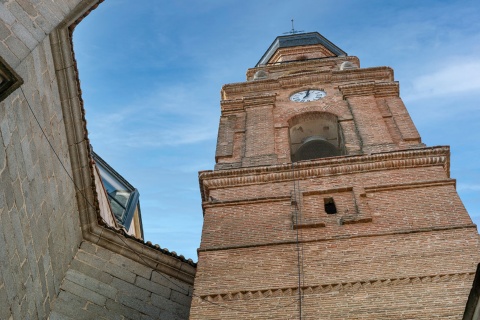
(308, 95)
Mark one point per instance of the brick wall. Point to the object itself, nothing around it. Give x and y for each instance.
(426, 298)
(104, 285)
(39, 224)
(371, 115)
(401, 244)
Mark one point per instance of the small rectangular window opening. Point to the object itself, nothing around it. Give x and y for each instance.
(330, 207)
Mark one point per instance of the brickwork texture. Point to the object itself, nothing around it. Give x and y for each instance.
(399, 243)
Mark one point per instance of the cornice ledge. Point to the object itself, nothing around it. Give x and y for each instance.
(233, 105)
(330, 61)
(358, 89)
(329, 287)
(259, 100)
(368, 88)
(253, 86)
(387, 89)
(325, 167)
(298, 79)
(375, 73)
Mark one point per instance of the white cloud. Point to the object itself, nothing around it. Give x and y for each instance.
(468, 187)
(453, 77)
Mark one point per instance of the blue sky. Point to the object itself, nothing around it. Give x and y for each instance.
(151, 73)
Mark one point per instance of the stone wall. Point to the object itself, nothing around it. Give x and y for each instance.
(39, 224)
(24, 24)
(47, 198)
(104, 285)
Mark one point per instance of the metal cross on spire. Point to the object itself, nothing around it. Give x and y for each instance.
(293, 31)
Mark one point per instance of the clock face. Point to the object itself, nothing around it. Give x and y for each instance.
(308, 95)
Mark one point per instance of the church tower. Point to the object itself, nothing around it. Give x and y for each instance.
(324, 203)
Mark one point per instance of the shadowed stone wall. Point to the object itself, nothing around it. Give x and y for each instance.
(42, 222)
(105, 285)
(24, 24)
(39, 224)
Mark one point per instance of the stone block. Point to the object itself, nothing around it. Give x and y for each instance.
(5, 15)
(2, 201)
(91, 284)
(5, 131)
(153, 287)
(139, 305)
(91, 248)
(50, 15)
(98, 251)
(23, 18)
(119, 272)
(126, 288)
(92, 260)
(171, 306)
(4, 30)
(71, 306)
(83, 292)
(131, 265)
(13, 170)
(170, 282)
(103, 313)
(8, 55)
(54, 315)
(167, 314)
(3, 158)
(91, 271)
(4, 304)
(118, 308)
(50, 283)
(41, 276)
(181, 298)
(24, 36)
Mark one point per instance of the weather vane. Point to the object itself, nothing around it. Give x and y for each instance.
(293, 31)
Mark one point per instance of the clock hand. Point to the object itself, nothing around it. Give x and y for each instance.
(306, 95)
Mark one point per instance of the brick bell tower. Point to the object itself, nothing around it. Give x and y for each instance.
(324, 203)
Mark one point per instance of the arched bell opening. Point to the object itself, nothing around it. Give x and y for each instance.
(314, 136)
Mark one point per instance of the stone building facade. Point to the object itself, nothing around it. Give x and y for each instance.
(369, 228)
(59, 259)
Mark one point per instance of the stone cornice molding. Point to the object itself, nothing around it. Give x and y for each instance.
(305, 78)
(320, 238)
(330, 287)
(322, 62)
(324, 167)
(377, 89)
(366, 74)
(267, 99)
(231, 106)
(93, 229)
(239, 105)
(384, 74)
(368, 189)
